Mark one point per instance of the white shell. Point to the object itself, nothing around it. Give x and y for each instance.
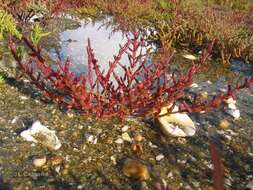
(49, 138)
(177, 124)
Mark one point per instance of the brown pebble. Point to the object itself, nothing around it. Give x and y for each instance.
(137, 148)
(138, 138)
(224, 124)
(136, 169)
(55, 160)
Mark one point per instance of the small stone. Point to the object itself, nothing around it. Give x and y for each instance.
(23, 97)
(39, 162)
(159, 184)
(228, 137)
(113, 159)
(125, 128)
(91, 138)
(235, 113)
(57, 169)
(137, 148)
(228, 182)
(70, 115)
(159, 157)
(125, 136)
(170, 175)
(138, 138)
(224, 124)
(251, 154)
(152, 145)
(54, 111)
(190, 57)
(119, 141)
(136, 169)
(250, 186)
(55, 160)
(14, 120)
(232, 106)
(194, 85)
(204, 95)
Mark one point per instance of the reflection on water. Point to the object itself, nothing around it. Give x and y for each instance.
(104, 43)
(239, 67)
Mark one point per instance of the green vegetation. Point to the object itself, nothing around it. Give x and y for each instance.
(37, 33)
(7, 25)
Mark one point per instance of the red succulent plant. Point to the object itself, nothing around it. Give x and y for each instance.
(143, 89)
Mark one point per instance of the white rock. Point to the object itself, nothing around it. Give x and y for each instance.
(251, 154)
(39, 133)
(235, 113)
(113, 159)
(14, 120)
(125, 128)
(23, 97)
(39, 162)
(119, 141)
(57, 169)
(152, 145)
(125, 136)
(194, 85)
(170, 175)
(250, 186)
(232, 106)
(91, 138)
(189, 56)
(176, 124)
(159, 157)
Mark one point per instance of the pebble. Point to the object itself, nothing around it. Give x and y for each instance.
(204, 95)
(137, 148)
(250, 186)
(228, 182)
(228, 137)
(125, 128)
(23, 97)
(56, 160)
(57, 169)
(91, 138)
(190, 57)
(14, 120)
(194, 85)
(224, 124)
(39, 162)
(251, 154)
(125, 136)
(160, 184)
(119, 141)
(152, 145)
(138, 138)
(136, 169)
(159, 157)
(170, 175)
(113, 159)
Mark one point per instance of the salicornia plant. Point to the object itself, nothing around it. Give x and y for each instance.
(142, 90)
